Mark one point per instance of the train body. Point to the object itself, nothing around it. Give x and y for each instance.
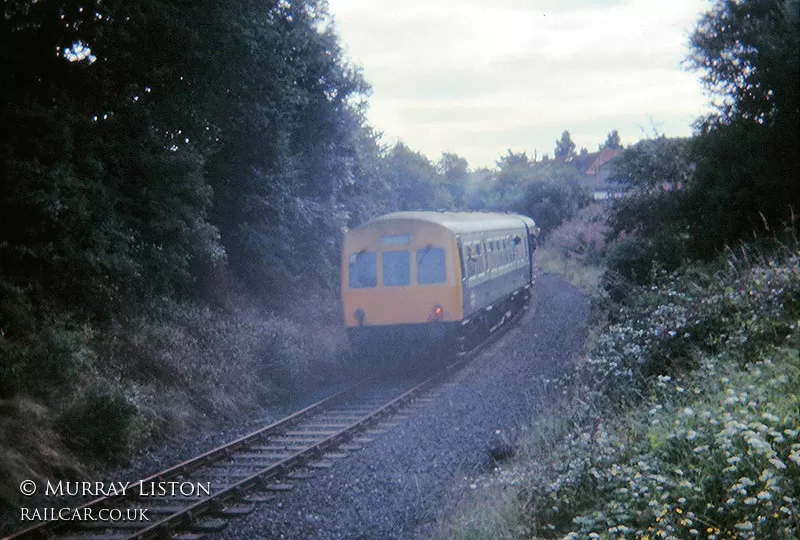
(435, 276)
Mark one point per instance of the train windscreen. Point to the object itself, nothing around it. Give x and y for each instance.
(363, 270)
(430, 266)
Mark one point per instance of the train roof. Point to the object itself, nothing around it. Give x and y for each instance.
(461, 222)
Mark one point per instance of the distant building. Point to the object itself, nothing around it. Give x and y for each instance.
(598, 172)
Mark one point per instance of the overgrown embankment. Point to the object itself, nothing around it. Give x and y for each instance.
(682, 421)
(88, 397)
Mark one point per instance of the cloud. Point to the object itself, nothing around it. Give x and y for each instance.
(476, 78)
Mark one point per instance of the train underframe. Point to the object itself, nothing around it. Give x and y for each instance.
(439, 339)
(479, 326)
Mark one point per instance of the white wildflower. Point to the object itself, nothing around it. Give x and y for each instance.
(777, 463)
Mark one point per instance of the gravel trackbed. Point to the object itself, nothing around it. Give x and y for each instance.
(402, 483)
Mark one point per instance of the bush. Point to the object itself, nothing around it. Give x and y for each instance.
(102, 423)
(574, 250)
(683, 421)
(48, 361)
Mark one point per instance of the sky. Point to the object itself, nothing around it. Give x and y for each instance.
(480, 77)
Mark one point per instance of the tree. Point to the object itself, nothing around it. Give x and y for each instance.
(748, 53)
(454, 170)
(565, 148)
(103, 206)
(613, 140)
(553, 195)
(650, 224)
(414, 181)
(513, 160)
(746, 153)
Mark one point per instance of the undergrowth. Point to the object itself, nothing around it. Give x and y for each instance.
(574, 249)
(78, 398)
(683, 421)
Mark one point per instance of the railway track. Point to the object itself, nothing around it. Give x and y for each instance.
(196, 497)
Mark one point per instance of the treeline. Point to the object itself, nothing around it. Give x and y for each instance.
(738, 178)
(152, 146)
(176, 179)
(174, 174)
(159, 149)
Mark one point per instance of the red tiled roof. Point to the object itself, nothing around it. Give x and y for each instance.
(605, 155)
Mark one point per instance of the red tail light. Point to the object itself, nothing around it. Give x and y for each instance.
(438, 313)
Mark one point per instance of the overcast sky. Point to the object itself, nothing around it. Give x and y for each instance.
(479, 77)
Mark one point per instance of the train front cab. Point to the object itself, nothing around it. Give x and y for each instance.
(400, 284)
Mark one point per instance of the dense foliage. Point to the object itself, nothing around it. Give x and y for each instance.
(739, 176)
(683, 419)
(550, 192)
(704, 364)
(171, 172)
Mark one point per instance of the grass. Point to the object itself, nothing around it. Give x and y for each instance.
(682, 422)
(585, 277)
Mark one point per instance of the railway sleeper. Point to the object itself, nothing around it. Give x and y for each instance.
(166, 509)
(99, 536)
(208, 525)
(111, 525)
(300, 475)
(320, 464)
(280, 486)
(258, 497)
(271, 453)
(351, 447)
(189, 536)
(296, 440)
(311, 433)
(235, 510)
(272, 448)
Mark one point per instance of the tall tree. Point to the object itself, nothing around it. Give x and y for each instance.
(612, 140)
(746, 155)
(103, 203)
(454, 170)
(565, 148)
(415, 181)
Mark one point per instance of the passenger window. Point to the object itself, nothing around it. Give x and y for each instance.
(430, 265)
(471, 258)
(396, 268)
(363, 270)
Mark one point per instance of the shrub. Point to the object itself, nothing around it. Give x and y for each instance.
(683, 421)
(583, 236)
(103, 422)
(48, 361)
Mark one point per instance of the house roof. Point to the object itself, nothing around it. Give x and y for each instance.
(604, 156)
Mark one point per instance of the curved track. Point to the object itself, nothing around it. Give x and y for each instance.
(229, 480)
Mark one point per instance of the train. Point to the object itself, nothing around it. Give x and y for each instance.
(446, 278)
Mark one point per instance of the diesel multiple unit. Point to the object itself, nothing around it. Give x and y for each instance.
(434, 275)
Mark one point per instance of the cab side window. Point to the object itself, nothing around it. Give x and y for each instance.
(363, 271)
(396, 268)
(430, 266)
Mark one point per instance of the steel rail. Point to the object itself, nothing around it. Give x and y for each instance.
(183, 518)
(46, 529)
(299, 458)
